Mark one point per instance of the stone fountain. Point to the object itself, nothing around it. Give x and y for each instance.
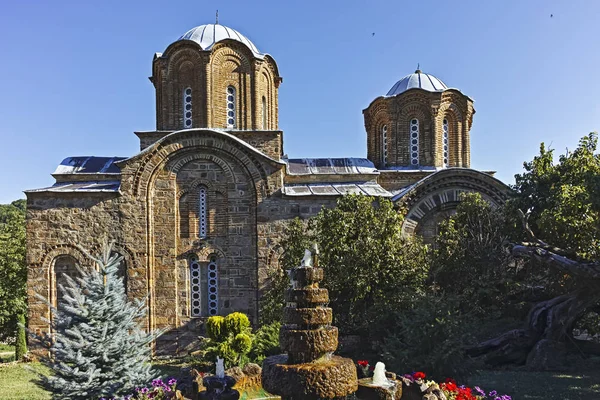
(309, 370)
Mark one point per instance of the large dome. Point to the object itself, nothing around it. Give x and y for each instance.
(417, 80)
(207, 35)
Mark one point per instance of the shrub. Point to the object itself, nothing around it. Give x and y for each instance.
(431, 337)
(266, 342)
(21, 344)
(229, 338)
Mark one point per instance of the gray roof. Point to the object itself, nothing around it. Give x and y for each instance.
(86, 187)
(370, 188)
(341, 166)
(207, 35)
(417, 80)
(88, 165)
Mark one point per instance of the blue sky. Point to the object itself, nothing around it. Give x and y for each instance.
(73, 75)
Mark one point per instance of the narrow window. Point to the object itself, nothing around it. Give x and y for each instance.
(264, 113)
(384, 142)
(445, 141)
(230, 107)
(202, 211)
(213, 287)
(414, 142)
(187, 107)
(195, 287)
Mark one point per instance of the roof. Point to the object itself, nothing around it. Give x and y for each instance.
(417, 80)
(88, 165)
(210, 34)
(343, 166)
(86, 187)
(370, 188)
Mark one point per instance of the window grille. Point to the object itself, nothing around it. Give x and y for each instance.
(187, 108)
(414, 142)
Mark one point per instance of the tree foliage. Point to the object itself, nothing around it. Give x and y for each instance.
(13, 271)
(98, 348)
(369, 265)
(562, 199)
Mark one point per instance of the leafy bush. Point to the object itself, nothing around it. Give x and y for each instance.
(229, 338)
(266, 342)
(430, 337)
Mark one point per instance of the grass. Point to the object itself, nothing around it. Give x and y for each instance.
(7, 353)
(526, 385)
(17, 382)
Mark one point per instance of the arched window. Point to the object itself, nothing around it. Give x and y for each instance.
(445, 130)
(204, 287)
(64, 266)
(202, 211)
(213, 287)
(187, 107)
(195, 286)
(230, 107)
(414, 142)
(264, 113)
(384, 144)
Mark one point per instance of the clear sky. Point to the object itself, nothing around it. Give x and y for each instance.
(73, 75)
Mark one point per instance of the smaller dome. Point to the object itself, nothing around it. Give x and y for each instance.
(417, 80)
(207, 35)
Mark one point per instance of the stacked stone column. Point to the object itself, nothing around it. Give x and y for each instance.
(309, 370)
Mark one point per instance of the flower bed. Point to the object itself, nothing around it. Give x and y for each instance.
(449, 389)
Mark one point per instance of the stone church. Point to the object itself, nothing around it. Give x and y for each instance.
(199, 211)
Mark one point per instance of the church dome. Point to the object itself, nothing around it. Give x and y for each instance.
(207, 35)
(417, 80)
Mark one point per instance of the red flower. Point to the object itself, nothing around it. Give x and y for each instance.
(450, 380)
(363, 363)
(419, 375)
(450, 386)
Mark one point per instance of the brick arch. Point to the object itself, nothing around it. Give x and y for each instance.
(193, 186)
(203, 253)
(427, 142)
(216, 143)
(49, 260)
(231, 50)
(375, 117)
(64, 249)
(182, 55)
(440, 192)
(452, 113)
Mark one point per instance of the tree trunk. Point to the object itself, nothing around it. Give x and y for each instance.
(546, 336)
(542, 343)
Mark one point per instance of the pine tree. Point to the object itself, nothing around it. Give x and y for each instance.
(98, 349)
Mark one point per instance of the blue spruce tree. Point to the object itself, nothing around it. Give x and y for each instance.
(98, 349)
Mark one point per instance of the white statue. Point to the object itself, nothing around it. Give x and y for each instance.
(307, 260)
(220, 372)
(379, 378)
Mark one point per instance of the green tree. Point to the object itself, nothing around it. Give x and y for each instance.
(295, 241)
(471, 260)
(559, 205)
(98, 348)
(369, 266)
(562, 200)
(13, 271)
